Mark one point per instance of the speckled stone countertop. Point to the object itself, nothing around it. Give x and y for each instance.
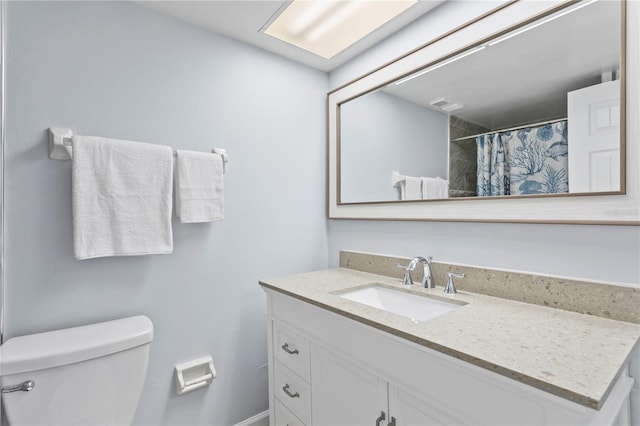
(572, 355)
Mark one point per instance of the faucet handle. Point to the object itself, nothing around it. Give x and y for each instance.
(406, 279)
(451, 288)
(410, 267)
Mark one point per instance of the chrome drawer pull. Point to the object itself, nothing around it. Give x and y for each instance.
(22, 387)
(381, 418)
(285, 388)
(285, 348)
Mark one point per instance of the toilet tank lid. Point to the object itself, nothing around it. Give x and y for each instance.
(70, 345)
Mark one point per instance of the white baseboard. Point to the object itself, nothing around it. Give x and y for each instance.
(260, 419)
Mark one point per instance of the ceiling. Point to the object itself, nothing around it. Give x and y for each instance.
(243, 20)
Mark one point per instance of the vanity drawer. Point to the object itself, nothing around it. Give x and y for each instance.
(284, 417)
(291, 349)
(293, 392)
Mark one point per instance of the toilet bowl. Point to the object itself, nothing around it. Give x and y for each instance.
(88, 375)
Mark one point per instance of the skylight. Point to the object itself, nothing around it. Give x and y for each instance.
(327, 27)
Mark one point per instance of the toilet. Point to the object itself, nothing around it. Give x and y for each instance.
(88, 375)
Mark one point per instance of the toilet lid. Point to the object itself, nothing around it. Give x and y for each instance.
(60, 347)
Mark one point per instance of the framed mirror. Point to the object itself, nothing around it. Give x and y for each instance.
(520, 116)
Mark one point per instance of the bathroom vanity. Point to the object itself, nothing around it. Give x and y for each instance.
(486, 361)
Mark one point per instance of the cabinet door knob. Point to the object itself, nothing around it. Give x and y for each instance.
(285, 348)
(381, 418)
(285, 388)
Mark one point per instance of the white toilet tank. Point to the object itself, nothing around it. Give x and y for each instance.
(88, 375)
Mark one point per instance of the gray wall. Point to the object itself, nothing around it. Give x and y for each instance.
(116, 69)
(380, 133)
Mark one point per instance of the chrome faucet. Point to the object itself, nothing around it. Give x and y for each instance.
(426, 276)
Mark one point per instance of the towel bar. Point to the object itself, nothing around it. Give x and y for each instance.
(61, 146)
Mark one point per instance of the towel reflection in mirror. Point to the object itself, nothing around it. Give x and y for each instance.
(420, 187)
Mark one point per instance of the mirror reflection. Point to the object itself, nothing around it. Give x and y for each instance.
(535, 111)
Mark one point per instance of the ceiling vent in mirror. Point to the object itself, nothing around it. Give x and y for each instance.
(326, 28)
(445, 105)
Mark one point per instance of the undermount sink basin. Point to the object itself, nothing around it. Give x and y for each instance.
(414, 306)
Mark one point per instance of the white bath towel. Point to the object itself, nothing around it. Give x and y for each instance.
(433, 188)
(412, 188)
(199, 187)
(121, 196)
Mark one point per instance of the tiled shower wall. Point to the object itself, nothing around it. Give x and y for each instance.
(462, 158)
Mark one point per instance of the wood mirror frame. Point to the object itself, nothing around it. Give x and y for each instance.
(601, 208)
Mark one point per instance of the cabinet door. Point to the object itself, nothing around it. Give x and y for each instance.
(408, 410)
(293, 392)
(292, 349)
(284, 417)
(343, 393)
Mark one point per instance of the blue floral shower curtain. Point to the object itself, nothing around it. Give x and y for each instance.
(531, 160)
(539, 160)
(493, 166)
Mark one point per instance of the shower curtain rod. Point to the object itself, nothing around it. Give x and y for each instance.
(509, 129)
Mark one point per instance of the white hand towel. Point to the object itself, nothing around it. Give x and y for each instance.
(412, 188)
(199, 187)
(121, 196)
(433, 188)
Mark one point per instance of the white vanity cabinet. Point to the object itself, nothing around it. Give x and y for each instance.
(327, 369)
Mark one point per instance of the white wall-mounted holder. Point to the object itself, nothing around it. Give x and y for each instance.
(61, 146)
(194, 375)
(224, 155)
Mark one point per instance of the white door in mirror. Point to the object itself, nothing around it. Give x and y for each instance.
(594, 134)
